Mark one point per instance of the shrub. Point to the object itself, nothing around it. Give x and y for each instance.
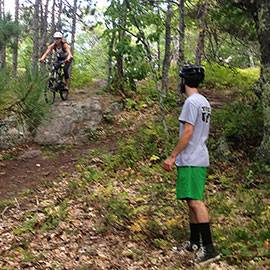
(241, 123)
(222, 77)
(23, 96)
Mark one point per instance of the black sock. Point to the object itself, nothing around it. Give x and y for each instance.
(194, 233)
(205, 232)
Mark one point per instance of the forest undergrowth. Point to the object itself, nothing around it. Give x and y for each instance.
(118, 210)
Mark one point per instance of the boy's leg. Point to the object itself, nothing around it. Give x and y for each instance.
(194, 230)
(200, 213)
(207, 253)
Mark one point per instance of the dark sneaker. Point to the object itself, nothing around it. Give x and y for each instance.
(187, 247)
(206, 255)
(190, 246)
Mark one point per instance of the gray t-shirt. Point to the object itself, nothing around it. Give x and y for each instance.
(197, 112)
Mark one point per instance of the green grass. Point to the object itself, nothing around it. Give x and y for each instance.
(243, 234)
(137, 196)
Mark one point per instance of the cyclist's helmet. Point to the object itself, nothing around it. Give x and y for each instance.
(57, 35)
(193, 75)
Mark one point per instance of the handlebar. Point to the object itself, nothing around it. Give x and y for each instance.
(58, 62)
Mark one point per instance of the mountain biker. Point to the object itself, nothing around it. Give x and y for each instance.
(63, 53)
(192, 159)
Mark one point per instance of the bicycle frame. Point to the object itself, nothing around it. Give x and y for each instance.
(55, 82)
(57, 75)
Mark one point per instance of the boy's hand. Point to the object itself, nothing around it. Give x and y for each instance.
(169, 163)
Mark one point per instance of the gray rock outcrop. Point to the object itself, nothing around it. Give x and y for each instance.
(70, 122)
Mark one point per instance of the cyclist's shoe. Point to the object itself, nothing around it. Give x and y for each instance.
(65, 88)
(206, 255)
(187, 247)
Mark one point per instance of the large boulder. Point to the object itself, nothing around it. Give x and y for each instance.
(69, 122)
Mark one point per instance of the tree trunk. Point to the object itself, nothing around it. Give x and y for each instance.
(41, 22)
(167, 55)
(2, 9)
(35, 53)
(120, 65)
(3, 47)
(110, 58)
(44, 27)
(202, 28)
(142, 38)
(159, 48)
(119, 57)
(263, 26)
(181, 29)
(53, 26)
(159, 54)
(74, 21)
(3, 56)
(16, 44)
(59, 19)
(1, 42)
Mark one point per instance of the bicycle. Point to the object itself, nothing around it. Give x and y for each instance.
(55, 82)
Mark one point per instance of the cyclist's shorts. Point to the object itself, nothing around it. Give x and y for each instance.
(190, 183)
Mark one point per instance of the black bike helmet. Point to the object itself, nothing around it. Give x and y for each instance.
(193, 75)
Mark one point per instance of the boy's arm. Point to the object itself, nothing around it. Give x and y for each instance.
(181, 145)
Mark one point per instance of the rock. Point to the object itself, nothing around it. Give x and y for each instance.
(30, 154)
(115, 108)
(82, 91)
(13, 132)
(223, 152)
(70, 122)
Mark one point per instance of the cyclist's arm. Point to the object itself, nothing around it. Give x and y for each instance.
(67, 48)
(48, 51)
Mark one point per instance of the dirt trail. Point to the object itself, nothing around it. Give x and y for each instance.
(23, 173)
(43, 164)
(26, 166)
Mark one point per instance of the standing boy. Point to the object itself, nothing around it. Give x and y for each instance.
(191, 158)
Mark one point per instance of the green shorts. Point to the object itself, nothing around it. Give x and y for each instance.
(190, 182)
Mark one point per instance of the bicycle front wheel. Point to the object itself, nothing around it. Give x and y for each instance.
(49, 95)
(64, 94)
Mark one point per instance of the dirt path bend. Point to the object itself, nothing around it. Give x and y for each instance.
(27, 166)
(33, 164)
